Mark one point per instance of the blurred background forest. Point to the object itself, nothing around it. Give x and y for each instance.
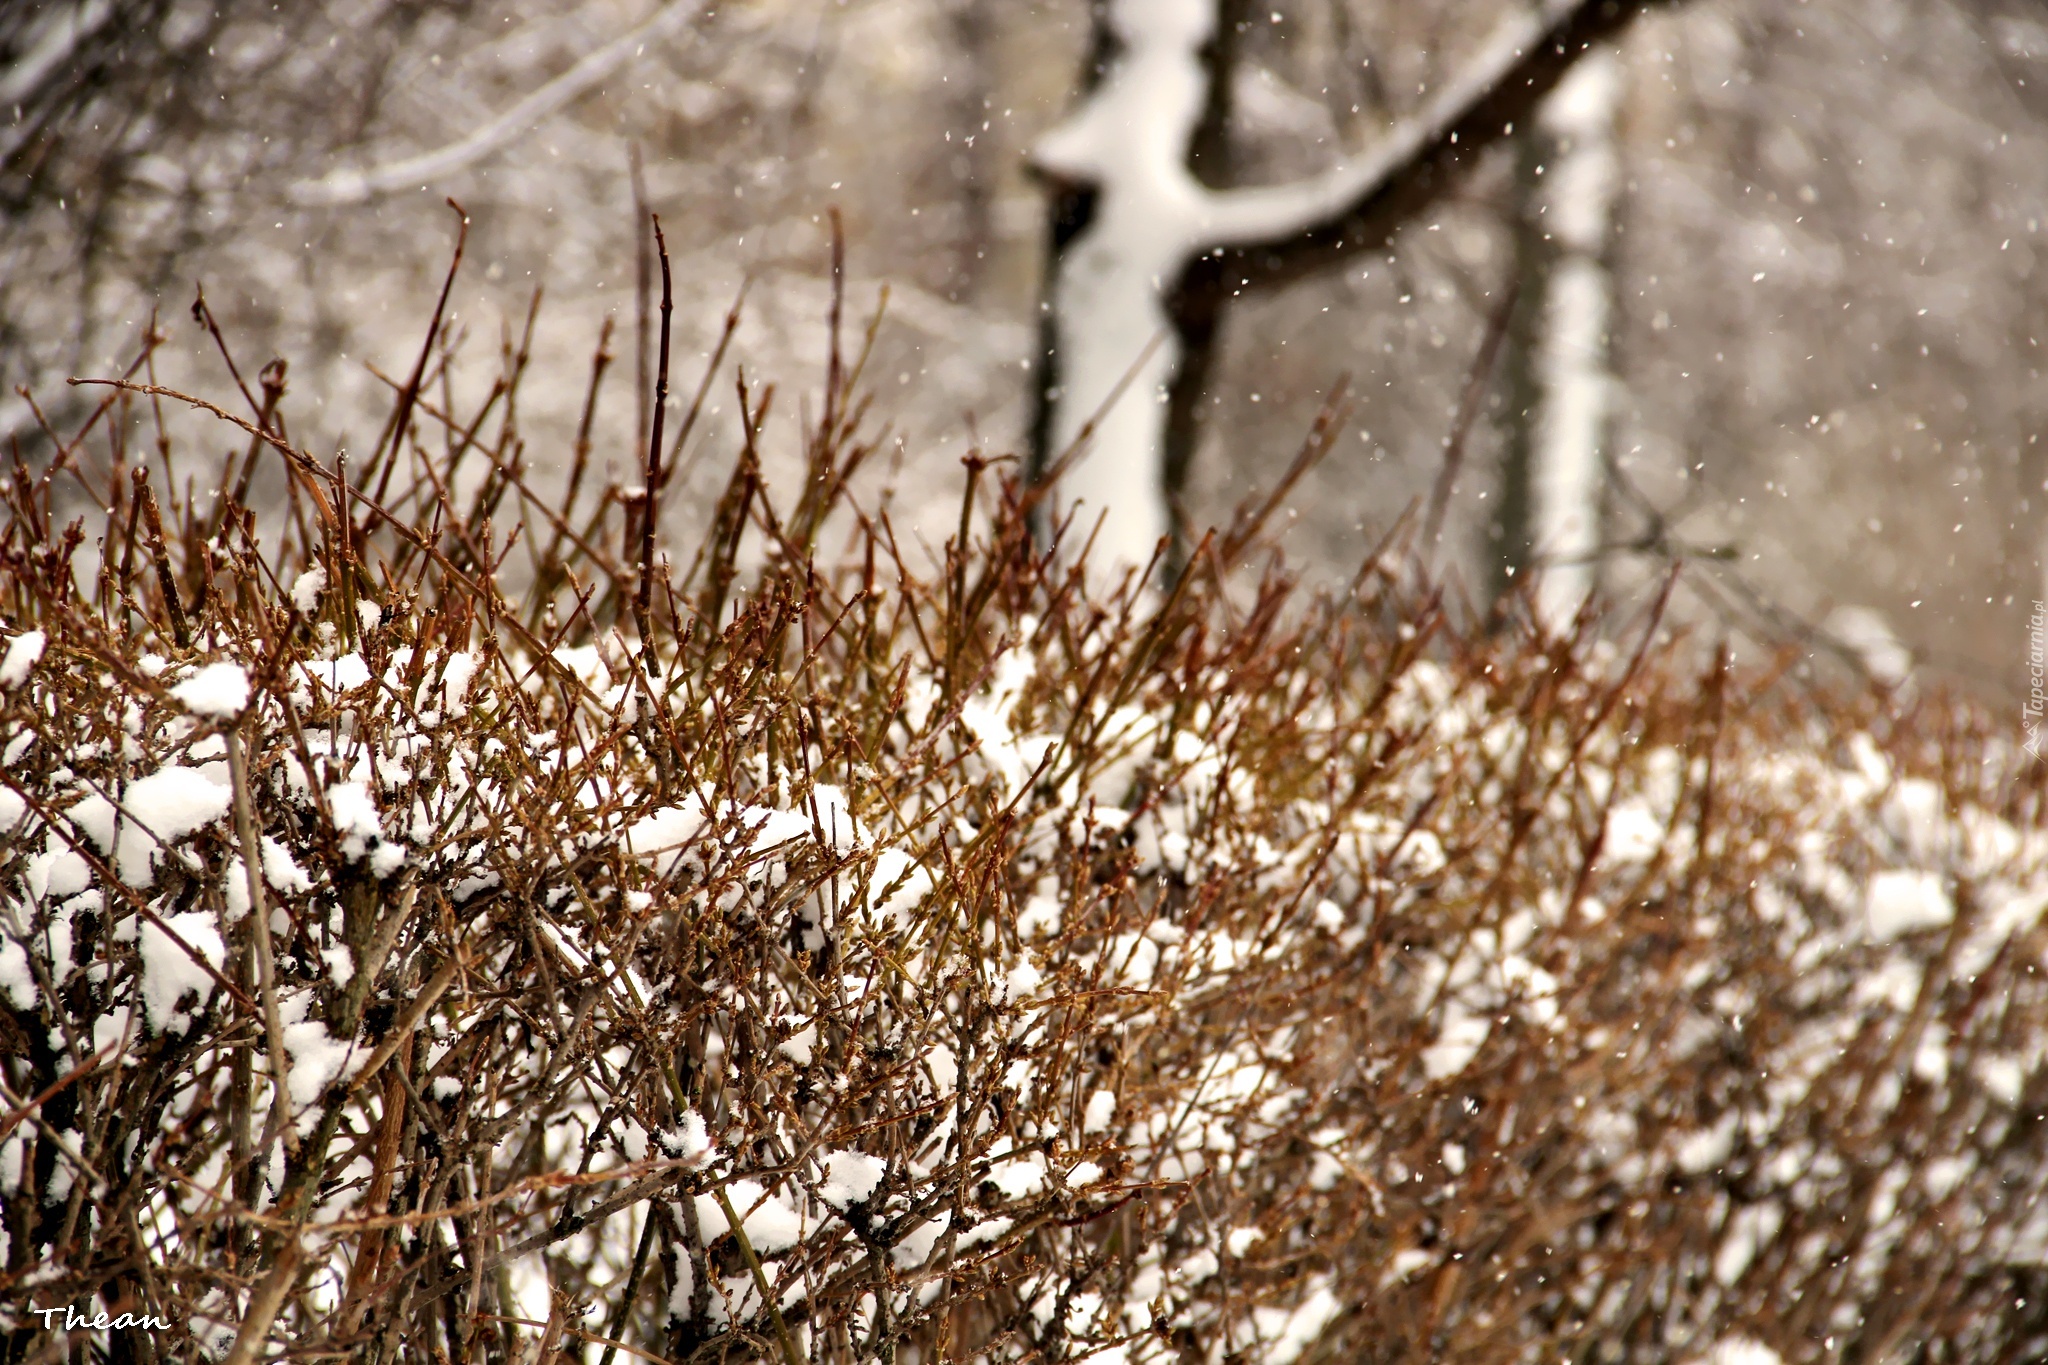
(1824, 346)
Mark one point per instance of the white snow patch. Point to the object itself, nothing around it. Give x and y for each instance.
(340, 675)
(1458, 1042)
(1406, 1263)
(984, 1232)
(2003, 1077)
(850, 1178)
(24, 652)
(898, 885)
(169, 804)
(1634, 833)
(770, 1224)
(456, 677)
(355, 817)
(799, 1046)
(217, 691)
(693, 1139)
(17, 982)
(168, 971)
(1750, 1229)
(1741, 1351)
(1705, 1149)
(662, 836)
(281, 871)
(1289, 1332)
(317, 1059)
(306, 590)
(1904, 900)
(1019, 1179)
(1040, 918)
(916, 1245)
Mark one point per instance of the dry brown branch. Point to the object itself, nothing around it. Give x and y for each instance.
(965, 967)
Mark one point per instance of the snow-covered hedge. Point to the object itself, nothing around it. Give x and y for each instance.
(407, 959)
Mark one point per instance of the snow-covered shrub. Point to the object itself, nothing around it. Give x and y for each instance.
(415, 948)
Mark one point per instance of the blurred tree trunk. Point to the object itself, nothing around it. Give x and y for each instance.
(970, 80)
(1561, 386)
(1145, 256)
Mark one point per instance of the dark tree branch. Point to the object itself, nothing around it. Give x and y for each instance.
(1419, 180)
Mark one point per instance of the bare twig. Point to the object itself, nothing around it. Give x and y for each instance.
(353, 187)
(651, 500)
(1461, 427)
(279, 1122)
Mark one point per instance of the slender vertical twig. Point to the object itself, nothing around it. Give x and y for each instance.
(643, 288)
(259, 919)
(652, 497)
(623, 1314)
(392, 441)
(1461, 426)
(167, 581)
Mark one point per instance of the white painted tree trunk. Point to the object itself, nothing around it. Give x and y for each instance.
(1109, 315)
(1116, 353)
(1130, 141)
(1575, 384)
